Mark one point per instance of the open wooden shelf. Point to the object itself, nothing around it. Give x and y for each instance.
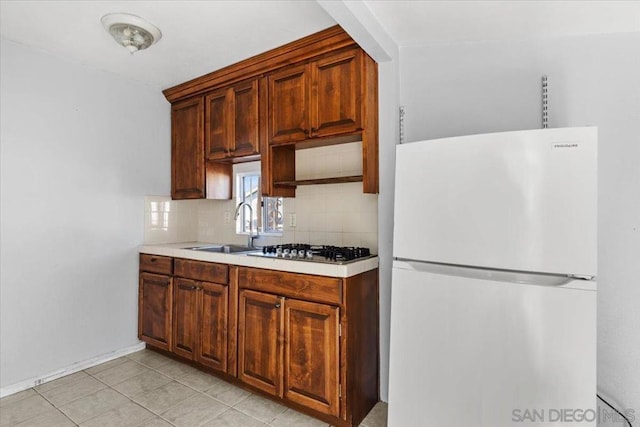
(336, 180)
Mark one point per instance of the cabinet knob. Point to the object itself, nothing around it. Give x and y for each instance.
(314, 130)
(277, 305)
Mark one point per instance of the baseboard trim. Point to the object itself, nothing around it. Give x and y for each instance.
(78, 366)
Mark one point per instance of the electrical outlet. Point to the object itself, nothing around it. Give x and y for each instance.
(292, 220)
(227, 217)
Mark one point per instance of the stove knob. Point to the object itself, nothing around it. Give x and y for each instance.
(309, 253)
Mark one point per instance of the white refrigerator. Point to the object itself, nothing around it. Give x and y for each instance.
(493, 305)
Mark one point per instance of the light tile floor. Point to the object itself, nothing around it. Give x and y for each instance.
(147, 389)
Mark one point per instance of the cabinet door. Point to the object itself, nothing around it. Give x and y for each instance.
(154, 310)
(244, 107)
(217, 125)
(213, 308)
(336, 99)
(184, 317)
(311, 355)
(259, 331)
(288, 104)
(187, 149)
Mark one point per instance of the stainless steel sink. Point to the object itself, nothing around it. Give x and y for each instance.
(224, 249)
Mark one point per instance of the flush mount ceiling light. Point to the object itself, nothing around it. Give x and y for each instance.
(131, 31)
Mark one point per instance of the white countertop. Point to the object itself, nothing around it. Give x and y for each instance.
(177, 250)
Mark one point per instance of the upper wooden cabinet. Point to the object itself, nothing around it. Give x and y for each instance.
(187, 149)
(289, 97)
(318, 99)
(232, 126)
(336, 102)
(319, 90)
(331, 99)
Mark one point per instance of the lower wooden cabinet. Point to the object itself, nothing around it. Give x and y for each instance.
(290, 348)
(185, 317)
(213, 301)
(311, 355)
(308, 341)
(200, 318)
(259, 336)
(154, 309)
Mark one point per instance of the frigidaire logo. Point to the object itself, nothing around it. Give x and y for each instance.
(557, 145)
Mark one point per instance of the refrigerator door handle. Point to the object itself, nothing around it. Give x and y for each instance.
(515, 277)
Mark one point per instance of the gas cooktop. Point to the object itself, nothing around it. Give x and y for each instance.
(315, 253)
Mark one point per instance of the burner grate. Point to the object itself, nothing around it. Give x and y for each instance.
(315, 253)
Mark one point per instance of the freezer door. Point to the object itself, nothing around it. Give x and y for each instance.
(513, 200)
(475, 352)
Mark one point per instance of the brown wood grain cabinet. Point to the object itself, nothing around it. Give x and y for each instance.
(310, 342)
(213, 302)
(187, 149)
(155, 295)
(259, 341)
(200, 313)
(311, 355)
(316, 91)
(200, 322)
(318, 99)
(336, 99)
(185, 317)
(289, 99)
(289, 348)
(232, 121)
(327, 101)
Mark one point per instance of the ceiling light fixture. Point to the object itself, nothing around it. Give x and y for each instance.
(131, 31)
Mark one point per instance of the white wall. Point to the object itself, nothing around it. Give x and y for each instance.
(593, 80)
(80, 149)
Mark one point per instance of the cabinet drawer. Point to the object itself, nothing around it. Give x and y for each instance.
(199, 270)
(156, 264)
(292, 285)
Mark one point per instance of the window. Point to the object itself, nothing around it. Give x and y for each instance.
(269, 218)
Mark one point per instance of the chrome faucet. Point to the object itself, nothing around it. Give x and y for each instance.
(251, 236)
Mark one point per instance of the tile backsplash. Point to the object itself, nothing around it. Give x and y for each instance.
(169, 221)
(331, 214)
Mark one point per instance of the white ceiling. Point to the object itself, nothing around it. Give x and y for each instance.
(197, 36)
(438, 22)
(203, 36)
